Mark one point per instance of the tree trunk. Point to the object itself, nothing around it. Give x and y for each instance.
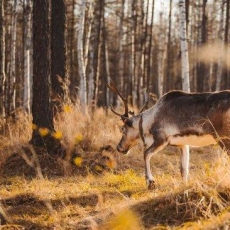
(2, 60)
(226, 42)
(95, 52)
(58, 51)
(132, 83)
(105, 64)
(212, 65)
(80, 52)
(139, 42)
(160, 56)
(91, 75)
(12, 105)
(144, 44)
(88, 33)
(221, 37)
(151, 48)
(71, 50)
(27, 55)
(42, 115)
(108, 77)
(169, 66)
(202, 77)
(88, 52)
(226, 32)
(122, 36)
(184, 48)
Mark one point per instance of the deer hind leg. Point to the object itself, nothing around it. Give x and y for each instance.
(184, 167)
(148, 174)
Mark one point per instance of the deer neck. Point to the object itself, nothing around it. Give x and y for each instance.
(141, 131)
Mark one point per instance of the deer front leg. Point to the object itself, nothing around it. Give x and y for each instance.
(184, 162)
(153, 149)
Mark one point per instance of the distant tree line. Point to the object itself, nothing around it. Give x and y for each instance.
(136, 43)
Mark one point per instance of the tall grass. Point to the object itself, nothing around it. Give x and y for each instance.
(110, 198)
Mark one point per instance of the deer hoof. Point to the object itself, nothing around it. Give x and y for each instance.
(151, 185)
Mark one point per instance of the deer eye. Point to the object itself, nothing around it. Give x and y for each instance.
(122, 129)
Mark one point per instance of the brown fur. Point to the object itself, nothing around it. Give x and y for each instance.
(201, 117)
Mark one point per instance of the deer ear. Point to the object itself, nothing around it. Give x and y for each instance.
(127, 121)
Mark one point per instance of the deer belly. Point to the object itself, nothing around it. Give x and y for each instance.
(192, 140)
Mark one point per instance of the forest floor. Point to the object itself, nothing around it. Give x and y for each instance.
(101, 189)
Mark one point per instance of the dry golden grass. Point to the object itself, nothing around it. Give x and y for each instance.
(105, 190)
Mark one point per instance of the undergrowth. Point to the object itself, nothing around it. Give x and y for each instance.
(94, 187)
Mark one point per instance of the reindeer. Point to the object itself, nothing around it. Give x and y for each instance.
(177, 119)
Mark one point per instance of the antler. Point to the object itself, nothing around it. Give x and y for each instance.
(113, 88)
(148, 97)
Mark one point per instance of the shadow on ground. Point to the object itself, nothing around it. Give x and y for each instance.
(178, 208)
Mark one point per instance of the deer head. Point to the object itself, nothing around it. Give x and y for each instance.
(131, 130)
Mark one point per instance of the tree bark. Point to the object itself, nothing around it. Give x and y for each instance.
(221, 37)
(122, 37)
(71, 50)
(151, 47)
(12, 104)
(202, 68)
(41, 112)
(80, 52)
(95, 51)
(132, 83)
(226, 42)
(58, 51)
(27, 55)
(169, 66)
(160, 57)
(184, 48)
(2, 60)
(105, 63)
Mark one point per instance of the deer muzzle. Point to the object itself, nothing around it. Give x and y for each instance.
(121, 150)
